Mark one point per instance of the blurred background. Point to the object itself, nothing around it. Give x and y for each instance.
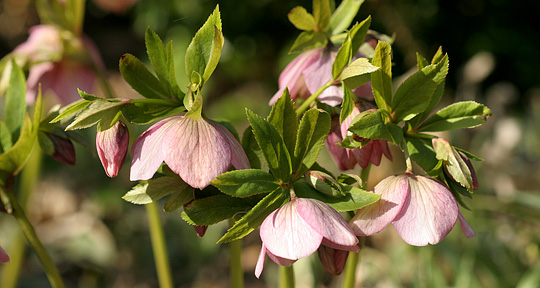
(99, 240)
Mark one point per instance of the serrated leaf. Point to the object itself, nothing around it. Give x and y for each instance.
(102, 111)
(343, 57)
(312, 132)
(73, 108)
(144, 113)
(140, 78)
(155, 189)
(256, 215)
(354, 199)
(172, 73)
(421, 62)
(272, 146)
(251, 147)
(467, 114)
(213, 209)
(381, 79)
(344, 15)
(178, 198)
(308, 40)
(358, 33)
(358, 73)
(15, 101)
(156, 52)
(347, 106)
(283, 118)
(453, 163)
(371, 125)
(245, 182)
(301, 19)
(414, 95)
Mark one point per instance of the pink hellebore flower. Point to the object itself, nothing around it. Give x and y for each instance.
(115, 6)
(112, 145)
(310, 71)
(197, 150)
(4, 257)
(421, 209)
(347, 158)
(299, 228)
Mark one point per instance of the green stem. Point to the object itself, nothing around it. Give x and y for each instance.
(31, 236)
(349, 279)
(236, 270)
(305, 105)
(155, 101)
(408, 160)
(158, 246)
(286, 277)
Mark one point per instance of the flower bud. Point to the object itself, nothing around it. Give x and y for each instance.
(333, 260)
(323, 183)
(112, 145)
(201, 230)
(63, 149)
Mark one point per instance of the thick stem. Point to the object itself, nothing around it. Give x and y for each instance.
(286, 277)
(349, 279)
(236, 270)
(305, 105)
(158, 245)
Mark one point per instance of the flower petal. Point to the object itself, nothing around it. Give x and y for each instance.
(286, 235)
(4, 257)
(372, 219)
(465, 227)
(333, 260)
(238, 157)
(328, 223)
(112, 145)
(260, 262)
(338, 153)
(147, 150)
(196, 151)
(429, 215)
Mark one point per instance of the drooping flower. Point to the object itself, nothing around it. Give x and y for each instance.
(112, 145)
(421, 209)
(197, 150)
(347, 158)
(4, 257)
(299, 228)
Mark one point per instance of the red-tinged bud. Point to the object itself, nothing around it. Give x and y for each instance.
(471, 169)
(201, 230)
(63, 149)
(4, 257)
(333, 260)
(112, 145)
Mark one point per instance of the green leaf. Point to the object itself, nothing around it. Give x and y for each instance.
(203, 52)
(422, 152)
(74, 12)
(354, 199)
(312, 132)
(256, 216)
(421, 62)
(322, 12)
(178, 198)
(302, 19)
(453, 163)
(73, 108)
(144, 113)
(15, 105)
(324, 183)
(467, 114)
(358, 73)
(347, 105)
(308, 40)
(103, 111)
(155, 189)
(344, 15)
(213, 209)
(371, 125)
(6, 142)
(381, 79)
(343, 57)
(172, 73)
(140, 78)
(414, 95)
(358, 33)
(283, 118)
(418, 119)
(159, 59)
(245, 183)
(272, 146)
(251, 147)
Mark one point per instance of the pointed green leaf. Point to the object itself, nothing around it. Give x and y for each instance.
(178, 198)
(467, 114)
(344, 15)
(140, 78)
(15, 105)
(371, 125)
(73, 108)
(381, 79)
(358, 73)
(301, 19)
(256, 216)
(422, 152)
(354, 199)
(308, 40)
(245, 182)
(414, 95)
(252, 149)
(155, 189)
(5, 137)
(358, 33)
(421, 62)
(453, 163)
(144, 113)
(343, 57)
(283, 118)
(102, 111)
(159, 59)
(322, 12)
(347, 105)
(172, 73)
(312, 132)
(214, 209)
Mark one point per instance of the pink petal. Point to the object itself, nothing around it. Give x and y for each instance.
(260, 262)
(430, 213)
(71, 76)
(112, 145)
(196, 151)
(372, 219)
(147, 150)
(4, 257)
(43, 73)
(278, 260)
(286, 235)
(465, 227)
(328, 223)
(238, 157)
(320, 72)
(338, 153)
(43, 44)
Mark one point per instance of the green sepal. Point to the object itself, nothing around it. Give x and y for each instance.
(15, 101)
(312, 132)
(283, 118)
(454, 164)
(272, 146)
(301, 19)
(343, 57)
(245, 182)
(381, 79)
(354, 199)
(204, 51)
(322, 12)
(414, 95)
(214, 209)
(421, 151)
(343, 16)
(309, 40)
(140, 78)
(358, 73)
(467, 114)
(155, 189)
(256, 215)
(371, 125)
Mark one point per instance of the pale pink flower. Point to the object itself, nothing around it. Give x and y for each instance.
(4, 257)
(197, 150)
(299, 228)
(115, 6)
(421, 209)
(112, 145)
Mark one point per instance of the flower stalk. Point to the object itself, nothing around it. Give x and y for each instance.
(158, 246)
(305, 105)
(286, 277)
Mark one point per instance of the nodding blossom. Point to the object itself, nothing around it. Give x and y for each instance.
(112, 145)
(301, 227)
(421, 209)
(4, 257)
(197, 150)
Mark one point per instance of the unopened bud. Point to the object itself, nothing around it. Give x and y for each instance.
(112, 145)
(333, 260)
(63, 149)
(201, 230)
(323, 183)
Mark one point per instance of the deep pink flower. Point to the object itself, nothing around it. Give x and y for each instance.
(347, 158)
(421, 209)
(197, 150)
(112, 145)
(299, 228)
(4, 257)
